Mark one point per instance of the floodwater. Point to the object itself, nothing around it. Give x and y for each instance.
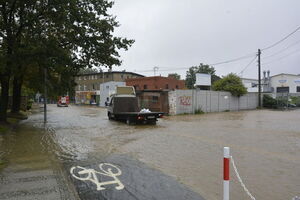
(265, 145)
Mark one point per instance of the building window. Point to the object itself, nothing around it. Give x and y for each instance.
(84, 87)
(177, 87)
(167, 86)
(79, 87)
(154, 99)
(106, 75)
(93, 86)
(145, 87)
(298, 88)
(122, 76)
(283, 89)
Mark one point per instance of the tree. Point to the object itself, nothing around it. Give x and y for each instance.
(57, 35)
(231, 83)
(202, 68)
(88, 71)
(174, 75)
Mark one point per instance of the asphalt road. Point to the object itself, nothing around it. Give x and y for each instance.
(80, 154)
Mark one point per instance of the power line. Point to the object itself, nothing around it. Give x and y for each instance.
(213, 64)
(282, 50)
(282, 57)
(276, 43)
(248, 65)
(233, 60)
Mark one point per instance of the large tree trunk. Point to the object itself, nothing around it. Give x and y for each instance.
(16, 100)
(4, 98)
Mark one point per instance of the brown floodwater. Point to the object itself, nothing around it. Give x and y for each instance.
(265, 145)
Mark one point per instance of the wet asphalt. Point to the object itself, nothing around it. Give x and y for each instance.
(80, 154)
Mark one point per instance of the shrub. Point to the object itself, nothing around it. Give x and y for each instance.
(269, 102)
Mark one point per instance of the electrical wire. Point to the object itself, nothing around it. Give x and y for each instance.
(278, 42)
(248, 65)
(213, 64)
(292, 53)
(282, 50)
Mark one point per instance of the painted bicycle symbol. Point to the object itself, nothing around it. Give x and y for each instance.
(106, 169)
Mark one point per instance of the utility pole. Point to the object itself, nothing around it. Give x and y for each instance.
(259, 79)
(45, 95)
(154, 70)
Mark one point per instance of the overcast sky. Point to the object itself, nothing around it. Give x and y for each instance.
(175, 35)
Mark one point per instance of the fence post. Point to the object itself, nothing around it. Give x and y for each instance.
(226, 163)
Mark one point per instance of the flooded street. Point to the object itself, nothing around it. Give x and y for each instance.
(179, 158)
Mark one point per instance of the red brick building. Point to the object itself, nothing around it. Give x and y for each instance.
(155, 83)
(152, 92)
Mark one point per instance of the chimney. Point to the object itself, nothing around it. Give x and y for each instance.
(268, 72)
(264, 72)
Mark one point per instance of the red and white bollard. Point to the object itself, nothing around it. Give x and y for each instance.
(226, 173)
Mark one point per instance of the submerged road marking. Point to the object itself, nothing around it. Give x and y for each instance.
(85, 174)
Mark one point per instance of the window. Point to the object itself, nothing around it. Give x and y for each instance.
(79, 88)
(167, 86)
(93, 86)
(122, 76)
(145, 87)
(84, 87)
(282, 89)
(106, 75)
(154, 99)
(84, 78)
(298, 88)
(177, 87)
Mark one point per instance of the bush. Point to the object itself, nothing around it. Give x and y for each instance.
(29, 104)
(199, 111)
(269, 102)
(296, 101)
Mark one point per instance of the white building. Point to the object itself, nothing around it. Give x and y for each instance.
(250, 84)
(107, 89)
(280, 83)
(285, 83)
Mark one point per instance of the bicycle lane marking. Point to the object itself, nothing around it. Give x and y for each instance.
(92, 175)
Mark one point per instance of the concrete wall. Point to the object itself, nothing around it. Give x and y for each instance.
(189, 101)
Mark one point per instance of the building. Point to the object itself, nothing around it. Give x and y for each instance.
(276, 84)
(155, 83)
(107, 89)
(152, 92)
(87, 89)
(250, 84)
(285, 83)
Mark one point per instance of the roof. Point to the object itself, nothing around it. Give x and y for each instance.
(114, 72)
(286, 74)
(152, 78)
(249, 79)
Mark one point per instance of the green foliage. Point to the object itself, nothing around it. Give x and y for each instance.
(199, 111)
(61, 36)
(231, 83)
(202, 68)
(269, 102)
(174, 75)
(296, 101)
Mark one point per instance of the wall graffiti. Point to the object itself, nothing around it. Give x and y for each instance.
(85, 174)
(185, 100)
